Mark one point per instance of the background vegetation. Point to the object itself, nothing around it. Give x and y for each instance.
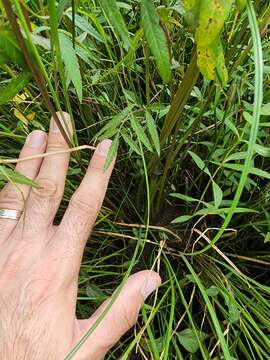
(178, 86)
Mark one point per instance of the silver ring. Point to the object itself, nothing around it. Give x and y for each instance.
(10, 214)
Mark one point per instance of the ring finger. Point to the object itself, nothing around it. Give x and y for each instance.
(12, 197)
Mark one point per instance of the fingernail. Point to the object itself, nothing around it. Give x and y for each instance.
(64, 122)
(103, 147)
(151, 284)
(36, 139)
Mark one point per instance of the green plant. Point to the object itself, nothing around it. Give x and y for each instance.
(178, 86)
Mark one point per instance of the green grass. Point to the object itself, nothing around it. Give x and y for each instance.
(190, 192)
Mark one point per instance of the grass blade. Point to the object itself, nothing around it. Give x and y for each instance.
(112, 12)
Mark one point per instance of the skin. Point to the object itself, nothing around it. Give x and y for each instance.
(40, 262)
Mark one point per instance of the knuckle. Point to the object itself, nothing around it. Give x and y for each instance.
(47, 188)
(11, 197)
(60, 145)
(85, 204)
(14, 261)
(97, 166)
(129, 316)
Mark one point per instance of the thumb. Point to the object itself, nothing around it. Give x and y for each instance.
(120, 318)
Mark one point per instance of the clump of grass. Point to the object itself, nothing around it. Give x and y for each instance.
(190, 191)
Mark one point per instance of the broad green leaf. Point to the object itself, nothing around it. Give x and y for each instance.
(8, 174)
(133, 146)
(114, 16)
(153, 131)
(206, 61)
(13, 87)
(140, 133)
(212, 291)
(112, 152)
(188, 339)
(72, 67)
(156, 39)
(211, 61)
(232, 307)
(217, 192)
(199, 162)
(212, 17)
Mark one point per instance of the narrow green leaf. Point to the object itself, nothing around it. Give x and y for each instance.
(9, 49)
(114, 16)
(62, 6)
(8, 174)
(237, 156)
(133, 146)
(222, 71)
(108, 134)
(181, 219)
(184, 197)
(210, 210)
(116, 120)
(13, 87)
(217, 192)
(85, 26)
(112, 152)
(140, 133)
(231, 126)
(226, 353)
(262, 150)
(265, 110)
(156, 39)
(72, 67)
(153, 131)
(199, 162)
(252, 170)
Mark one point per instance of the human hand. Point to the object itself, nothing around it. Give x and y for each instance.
(40, 262)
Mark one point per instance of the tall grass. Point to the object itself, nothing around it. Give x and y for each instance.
(190, 192)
